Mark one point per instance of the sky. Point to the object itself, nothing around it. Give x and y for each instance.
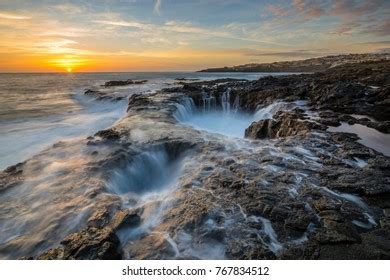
(183, 35)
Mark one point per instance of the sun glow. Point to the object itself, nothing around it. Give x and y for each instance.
(68, 63)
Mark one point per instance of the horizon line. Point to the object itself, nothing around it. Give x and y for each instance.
(77, 72)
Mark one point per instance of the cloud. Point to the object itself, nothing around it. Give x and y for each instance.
(309, 8)
(277, 10)
(380, 29)
(57, 43)
(70, 8)
(157, 7)
(293, 53)
(58, 46)
(343, 17)
(4, 15)
(67, 31)
(188, 27)
(122, 23)
(291, 29)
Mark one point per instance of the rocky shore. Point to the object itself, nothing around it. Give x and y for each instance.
(152, 187)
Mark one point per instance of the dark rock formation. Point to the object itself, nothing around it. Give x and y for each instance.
(123, 83)
(126, 218)
(89, 244)
(284, 124)
(100, 95)
(346, 89)
(186, 79)
(108, 134)
(11, 176)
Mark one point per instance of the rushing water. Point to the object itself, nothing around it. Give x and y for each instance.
(38, 110)
(227, 120)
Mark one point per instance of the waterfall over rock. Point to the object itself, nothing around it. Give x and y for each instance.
(226, 101)
(209, 101)
(185, 109)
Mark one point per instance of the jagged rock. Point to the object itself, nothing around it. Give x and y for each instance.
(125, 218)
(118, 83)
(152, 247)
(285, 124)
(123, 83)
(240, 250)
(11, 176)
(91, 243)
(99, 218)
(138, 82)
(109, 134)
(100, 95)
(344, 89)
(52, 254)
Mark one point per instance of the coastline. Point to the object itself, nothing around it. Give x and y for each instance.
(310, 65)
(295, 191)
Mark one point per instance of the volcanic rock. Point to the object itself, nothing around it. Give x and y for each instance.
(284, 124)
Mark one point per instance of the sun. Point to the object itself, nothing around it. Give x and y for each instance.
(68, 69)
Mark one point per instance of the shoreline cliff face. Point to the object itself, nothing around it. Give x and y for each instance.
(154, 187)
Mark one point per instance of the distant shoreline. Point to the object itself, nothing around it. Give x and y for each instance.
(299, 66)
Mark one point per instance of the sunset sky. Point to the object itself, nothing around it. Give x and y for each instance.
(168, 35)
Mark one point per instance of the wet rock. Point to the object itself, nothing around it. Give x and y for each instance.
(373, 245)
(92, 92)
(152, 247)
(99, 218)
(175, 148)
(14, 169)
(241, 250)
(126, 218)
(299, 221)
(123, 83)
(217, 234)
(108, 134)
(284, 124)
(88, 244)
(100, 95)
(186, 79)
(11, 176)
(92, 243)
(139, 82)
(336, 232)
(343, 89)
(52, 254)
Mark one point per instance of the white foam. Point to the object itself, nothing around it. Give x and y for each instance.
(273, 244)
(269, 111)
(20, 140)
